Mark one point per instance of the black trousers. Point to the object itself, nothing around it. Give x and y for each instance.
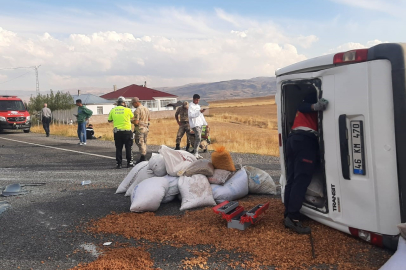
(124, 138)
(45, 124)
(301, 157)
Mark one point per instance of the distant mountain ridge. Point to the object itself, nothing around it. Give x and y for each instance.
(223, 90)
(255, 87)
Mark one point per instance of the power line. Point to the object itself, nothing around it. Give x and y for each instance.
(15, 68)
(36, 75)
(15, 77)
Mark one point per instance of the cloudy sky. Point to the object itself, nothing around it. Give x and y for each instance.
(82, 43)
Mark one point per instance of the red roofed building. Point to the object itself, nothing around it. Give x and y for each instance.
(152, 99)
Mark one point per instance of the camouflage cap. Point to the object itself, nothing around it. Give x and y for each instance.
(135, 99)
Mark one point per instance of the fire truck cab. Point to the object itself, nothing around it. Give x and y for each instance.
(14, 114)
(362, 166)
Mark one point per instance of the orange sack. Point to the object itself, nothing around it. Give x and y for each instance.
(221, 159)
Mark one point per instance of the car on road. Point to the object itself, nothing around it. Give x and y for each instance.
(14, 114)
(362, 168)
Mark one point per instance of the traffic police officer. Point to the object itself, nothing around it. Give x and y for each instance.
(141, 126)
(301, 154)
(121, 118)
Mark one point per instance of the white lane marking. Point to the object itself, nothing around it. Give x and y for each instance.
(57, 148)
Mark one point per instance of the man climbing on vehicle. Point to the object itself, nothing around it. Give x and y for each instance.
(301, 155)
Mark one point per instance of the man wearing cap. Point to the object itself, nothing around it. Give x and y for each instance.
(141, 126)
(83, 115)
(196, 121)
(121, 118)
(183, 123)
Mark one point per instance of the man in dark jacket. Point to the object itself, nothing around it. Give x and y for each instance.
(301, 155)
(83, 115)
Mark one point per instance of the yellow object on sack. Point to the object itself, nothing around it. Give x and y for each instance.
(221, 159)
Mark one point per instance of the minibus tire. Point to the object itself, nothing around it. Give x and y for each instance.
(26, 130)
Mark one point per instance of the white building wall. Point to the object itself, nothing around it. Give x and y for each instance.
(106, 108)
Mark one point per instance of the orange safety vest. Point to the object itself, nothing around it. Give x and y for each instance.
(308, 120)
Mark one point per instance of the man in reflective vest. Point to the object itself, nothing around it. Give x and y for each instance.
(121, 118)
(301, 156)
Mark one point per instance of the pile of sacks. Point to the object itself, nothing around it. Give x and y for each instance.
(198, 183)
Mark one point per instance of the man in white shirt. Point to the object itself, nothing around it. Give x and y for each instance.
(46, 115)
(196, 121)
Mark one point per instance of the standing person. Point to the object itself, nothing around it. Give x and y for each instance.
(83, 115)
(196, 121)
(121, 118)
(141, 126)
(183, 123)
(301, 154)
(46, 115)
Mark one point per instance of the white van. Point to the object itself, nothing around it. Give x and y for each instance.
(362, 138)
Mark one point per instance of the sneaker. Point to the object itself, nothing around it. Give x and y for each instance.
(296, 226)
(80, 143)
(129, 165)
(84, 143)
(118, 166)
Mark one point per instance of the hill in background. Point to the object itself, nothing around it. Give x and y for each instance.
(255, 87)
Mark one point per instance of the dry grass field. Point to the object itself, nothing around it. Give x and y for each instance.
(245, 125)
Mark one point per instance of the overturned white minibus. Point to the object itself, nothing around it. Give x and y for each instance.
(362, 138)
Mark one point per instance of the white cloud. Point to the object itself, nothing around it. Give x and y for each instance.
(354, 46)
(392, 7)
(179, 48)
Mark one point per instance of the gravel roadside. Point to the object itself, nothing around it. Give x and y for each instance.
(40, 230)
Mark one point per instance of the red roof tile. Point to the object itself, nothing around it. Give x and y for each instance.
(143, 93)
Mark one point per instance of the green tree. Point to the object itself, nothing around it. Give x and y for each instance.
(58, 101)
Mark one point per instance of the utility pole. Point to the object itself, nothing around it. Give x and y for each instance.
(36, 75)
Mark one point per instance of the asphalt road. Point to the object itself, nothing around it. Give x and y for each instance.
(39, 230)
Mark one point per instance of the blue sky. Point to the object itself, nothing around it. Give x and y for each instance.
(167, 43)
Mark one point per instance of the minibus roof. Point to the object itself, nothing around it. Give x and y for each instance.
(313, 64)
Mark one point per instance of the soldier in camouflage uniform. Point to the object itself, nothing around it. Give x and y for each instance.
(183, 123)
(141, 123)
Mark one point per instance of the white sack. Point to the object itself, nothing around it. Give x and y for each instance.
(173, 189)
(233, 189)
(128, 180)
(148, 195)
(316, 187)
(176, 160)
(259, 181)
(195, 191)
(201, 166)
(398, 260)
(173, 185)
(219, 177)
(143, 174)
(169, 198)
(157, 165)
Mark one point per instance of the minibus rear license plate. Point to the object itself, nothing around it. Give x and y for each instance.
(357, 138)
